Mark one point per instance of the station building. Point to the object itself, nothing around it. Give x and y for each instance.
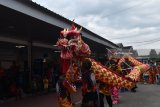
(28, 33)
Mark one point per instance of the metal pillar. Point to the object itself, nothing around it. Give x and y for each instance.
(30, 60)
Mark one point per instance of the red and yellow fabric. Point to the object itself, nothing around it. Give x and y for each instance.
(109, 77)
(134, 61)
(120, 62)
(70, 87)
(131, 59)
(104, 89)
(152, 76)
(64, 102)
(137, 71)
(72, 75)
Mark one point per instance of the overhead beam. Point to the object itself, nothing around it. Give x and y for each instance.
(88, 36)
(42, 45)
(23, 42)
(13, 40)
(33, 12)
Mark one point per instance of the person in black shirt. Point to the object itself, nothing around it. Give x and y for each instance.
(89, 89)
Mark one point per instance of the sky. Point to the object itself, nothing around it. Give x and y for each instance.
(131, 22)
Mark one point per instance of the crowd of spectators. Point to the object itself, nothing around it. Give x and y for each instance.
(15, 82)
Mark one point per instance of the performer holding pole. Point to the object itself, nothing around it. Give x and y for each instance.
(89, 88)
(105, 91)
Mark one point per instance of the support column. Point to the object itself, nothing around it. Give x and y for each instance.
(30, 60)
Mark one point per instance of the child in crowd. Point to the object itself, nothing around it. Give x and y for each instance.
(45, 84)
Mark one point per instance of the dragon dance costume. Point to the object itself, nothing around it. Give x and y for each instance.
(73, 52)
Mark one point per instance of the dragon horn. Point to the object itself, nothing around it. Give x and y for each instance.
(64, 34)
(80, 29)
(64, 30)
(75, 29)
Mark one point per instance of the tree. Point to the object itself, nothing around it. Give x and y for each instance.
(153, 54)
(159, 55)
(135, 53)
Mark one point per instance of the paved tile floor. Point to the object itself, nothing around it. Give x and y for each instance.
(146, 96)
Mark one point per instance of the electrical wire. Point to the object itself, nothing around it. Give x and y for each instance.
(148, 43)
(123, 10)
(132, 36)
(153, 40)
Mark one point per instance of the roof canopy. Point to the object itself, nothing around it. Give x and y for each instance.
(25, 20)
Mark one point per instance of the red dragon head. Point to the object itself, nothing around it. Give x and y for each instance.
(71, 43)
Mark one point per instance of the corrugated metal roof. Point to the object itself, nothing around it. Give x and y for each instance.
(47, 11)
